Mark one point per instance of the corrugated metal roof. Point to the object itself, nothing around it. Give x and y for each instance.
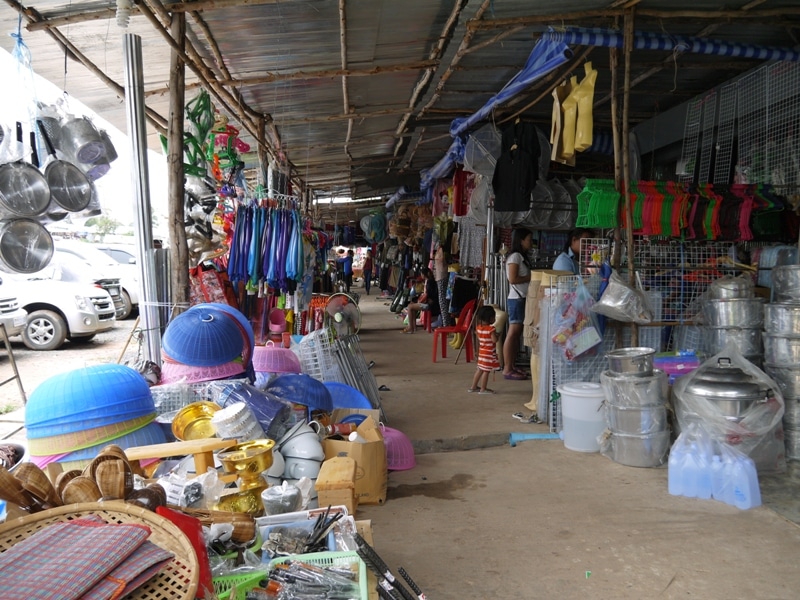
(283, 57)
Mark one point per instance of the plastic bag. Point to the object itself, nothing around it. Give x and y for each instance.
(623, 303)
(756, 430)
(575, 329)
(283, 498)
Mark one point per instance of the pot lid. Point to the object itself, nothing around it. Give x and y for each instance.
(725, 381)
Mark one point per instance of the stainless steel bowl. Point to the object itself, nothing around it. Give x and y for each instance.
(786, 283)
(636, 420)
(781, 350)
(639, 450)
(631, 361)
(635, 390)
(787, 378)
(782, 319)
(746, 313)
(747, 341)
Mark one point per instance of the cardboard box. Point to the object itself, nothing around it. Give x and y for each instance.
(370, 456)
(336, 483)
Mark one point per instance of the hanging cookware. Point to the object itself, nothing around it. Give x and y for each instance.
(25, 246)
(80, 138)
(24, 191)
(69, 187)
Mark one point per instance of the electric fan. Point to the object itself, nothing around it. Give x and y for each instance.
(343, 314)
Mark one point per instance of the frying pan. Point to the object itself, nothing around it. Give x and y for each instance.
(69, 187)
(24, 191)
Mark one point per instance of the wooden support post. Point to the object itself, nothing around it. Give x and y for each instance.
(626, 167)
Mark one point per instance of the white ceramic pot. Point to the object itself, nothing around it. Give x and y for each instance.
(301, 467)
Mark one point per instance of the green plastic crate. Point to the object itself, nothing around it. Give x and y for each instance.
(331, 559)
(244, 583)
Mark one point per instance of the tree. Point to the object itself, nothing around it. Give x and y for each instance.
(103, 225)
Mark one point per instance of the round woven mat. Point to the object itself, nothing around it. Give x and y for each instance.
(178, 580)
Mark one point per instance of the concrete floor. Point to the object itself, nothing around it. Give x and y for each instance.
(487, 520)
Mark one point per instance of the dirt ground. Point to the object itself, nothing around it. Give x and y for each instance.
(487, 520)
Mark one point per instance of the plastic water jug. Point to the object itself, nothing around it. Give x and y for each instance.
(721, 480)
(675, 470)
(746, 492)
(696, 471)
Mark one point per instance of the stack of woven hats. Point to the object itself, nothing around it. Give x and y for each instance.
(72, 416)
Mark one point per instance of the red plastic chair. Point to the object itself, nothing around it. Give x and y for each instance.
(461, 326)
(426, 320)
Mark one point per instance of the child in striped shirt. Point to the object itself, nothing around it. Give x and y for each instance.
(487, 350)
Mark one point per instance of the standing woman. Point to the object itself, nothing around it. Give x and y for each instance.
(568, 259)
(441, 275)
(518, 271)
(366, 271)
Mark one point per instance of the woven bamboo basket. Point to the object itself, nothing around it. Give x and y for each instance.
(177, 581)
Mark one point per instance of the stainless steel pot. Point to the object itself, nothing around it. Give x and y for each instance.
(787, 378)
(782, 319)
(781, 350)
(24, 191)
(786, 283)
(80, 139)
(730, 287)
(747, 341)
(791, 440)
(25, 246)
(631, 361)
(635, 390)
(746, 313)
(729, 388)
(791, 415)
(648, 450)
(636, 420)
(69, 186)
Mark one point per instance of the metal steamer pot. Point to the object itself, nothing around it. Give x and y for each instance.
(729, 388)
(782, 319)
(786, 283)
(631, 361)
(747, 313)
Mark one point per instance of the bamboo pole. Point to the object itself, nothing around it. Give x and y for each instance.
(626, 167)
(175, 199)
(613, 58)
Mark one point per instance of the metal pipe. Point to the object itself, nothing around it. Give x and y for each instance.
(137, 134)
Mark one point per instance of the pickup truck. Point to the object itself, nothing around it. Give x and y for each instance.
(60, 310)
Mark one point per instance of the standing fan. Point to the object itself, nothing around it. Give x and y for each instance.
(343, 314)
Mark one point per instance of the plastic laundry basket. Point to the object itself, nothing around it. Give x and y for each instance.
(399, 450)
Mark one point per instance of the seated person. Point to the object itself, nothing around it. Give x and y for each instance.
(429, 300)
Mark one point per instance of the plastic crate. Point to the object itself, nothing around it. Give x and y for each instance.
(331, 559)
(244, 583)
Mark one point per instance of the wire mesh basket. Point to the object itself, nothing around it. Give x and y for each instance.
(317, 358)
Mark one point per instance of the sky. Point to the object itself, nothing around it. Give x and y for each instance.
(115, 203)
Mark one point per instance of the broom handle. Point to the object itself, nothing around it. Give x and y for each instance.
(478, 304)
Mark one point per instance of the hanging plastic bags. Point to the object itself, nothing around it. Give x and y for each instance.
(623, 303)
(575, 329)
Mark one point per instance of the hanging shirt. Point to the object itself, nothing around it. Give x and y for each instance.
(517, 290)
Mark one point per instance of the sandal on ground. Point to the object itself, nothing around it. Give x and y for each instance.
(470, 390)
(486, 391)
(514, 376)
(523, 373)
(523, 419)
(407, 330)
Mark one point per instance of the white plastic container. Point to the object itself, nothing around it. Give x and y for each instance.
(583, 418)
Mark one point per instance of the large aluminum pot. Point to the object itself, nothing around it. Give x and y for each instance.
(648, 450)
(729, 388)
(782, 319)
(791, 440)
(787, 378)
(781, 350)
(635, 390)
(25, 246)
(730, 287)
(636, 420)
(747, 341)
(81, 140)
(631, 361)
(786, 283)
(747, 313)
(791, 415)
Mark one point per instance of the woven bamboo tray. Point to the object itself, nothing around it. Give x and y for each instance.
(177, 581)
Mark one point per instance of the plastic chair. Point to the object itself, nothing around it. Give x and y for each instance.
(462, 326)
(426, 320)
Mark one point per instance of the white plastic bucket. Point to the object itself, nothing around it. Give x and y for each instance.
(582, 415)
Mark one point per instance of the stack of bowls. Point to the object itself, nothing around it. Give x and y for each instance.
(71, 417)
(208, 342)
(782, 349)
(270, 361)
(238, 422)
(302, 454)
(735, 321)
(635, 408)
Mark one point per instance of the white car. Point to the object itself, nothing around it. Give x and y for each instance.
(60, 310)
(121, 282)
(12, 316)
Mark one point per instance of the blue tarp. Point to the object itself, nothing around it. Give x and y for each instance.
(455, 154)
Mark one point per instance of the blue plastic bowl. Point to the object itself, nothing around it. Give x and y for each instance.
(87, 398)
(356, 419)
(237, 315)
(204, 337)
(346, 396)
(301, 389)
(150, 434)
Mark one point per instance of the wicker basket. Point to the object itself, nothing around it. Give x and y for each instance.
(177, 581)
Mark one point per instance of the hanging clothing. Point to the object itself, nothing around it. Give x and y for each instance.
(471, 238)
